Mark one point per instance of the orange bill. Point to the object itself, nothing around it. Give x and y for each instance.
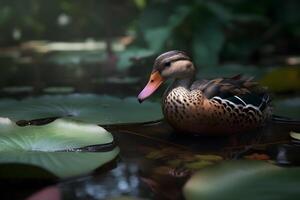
(154, 82)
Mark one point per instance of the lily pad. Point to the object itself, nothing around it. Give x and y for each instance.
(295, 135)
(84, 107)
(244, 180)
(46, 146)
(60, 164)
(289, 107)
(59, 90)
(21, 89)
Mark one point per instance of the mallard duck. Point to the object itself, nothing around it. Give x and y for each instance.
(218, 106)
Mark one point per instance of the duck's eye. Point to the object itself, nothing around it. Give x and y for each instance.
(167, 64)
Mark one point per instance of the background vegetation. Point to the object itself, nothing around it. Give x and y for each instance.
(217, 34)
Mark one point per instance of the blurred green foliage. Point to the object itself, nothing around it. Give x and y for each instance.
(214, 33)
(241, 30)
(63, 19)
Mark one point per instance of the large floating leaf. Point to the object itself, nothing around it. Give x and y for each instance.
(287, 107)
(61, 164)
(56, 136)
(85, 107)
(295, 135)
(244, 180)
(43, 145)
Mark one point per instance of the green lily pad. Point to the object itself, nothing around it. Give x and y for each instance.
(16, 89)
(295, 135)
(59, 90)
(60, 164)
(75, 57)
(244, 180)
(44, 146)
(289, 107)
(84, 107)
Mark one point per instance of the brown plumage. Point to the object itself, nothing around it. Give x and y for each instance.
(218, 106)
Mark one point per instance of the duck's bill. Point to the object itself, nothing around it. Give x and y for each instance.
(154, 82)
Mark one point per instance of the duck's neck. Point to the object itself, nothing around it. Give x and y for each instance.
(184, 82)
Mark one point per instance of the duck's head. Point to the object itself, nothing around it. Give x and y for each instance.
(172, 64)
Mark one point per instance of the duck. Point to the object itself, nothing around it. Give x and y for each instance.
(210, 107)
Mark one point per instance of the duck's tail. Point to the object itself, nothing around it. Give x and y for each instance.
(291, 124)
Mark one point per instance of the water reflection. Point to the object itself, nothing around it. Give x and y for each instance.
(121, 181)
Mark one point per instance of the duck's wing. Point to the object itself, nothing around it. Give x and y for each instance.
(237, 89)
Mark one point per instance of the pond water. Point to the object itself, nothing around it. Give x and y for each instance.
(144, 158)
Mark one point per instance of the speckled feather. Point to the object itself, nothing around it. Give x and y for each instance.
(217, 106)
